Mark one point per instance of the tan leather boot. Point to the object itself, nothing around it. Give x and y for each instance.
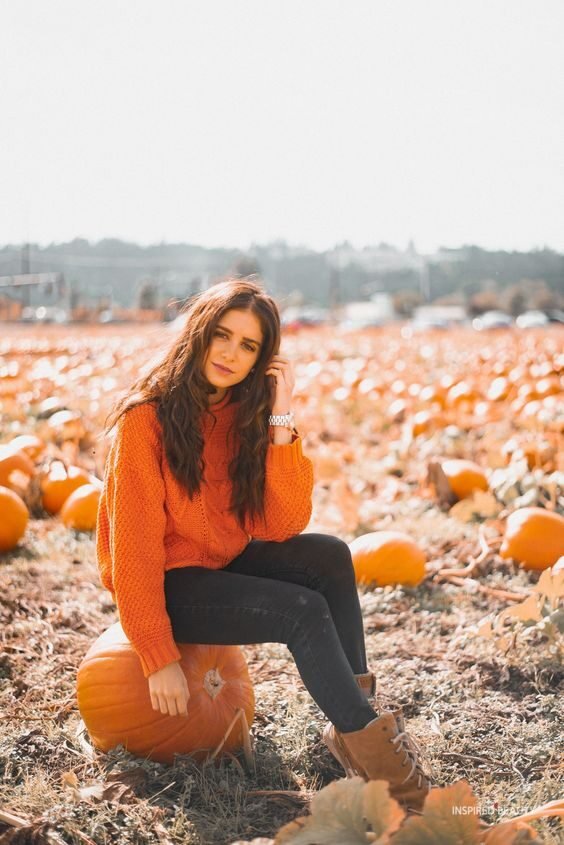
(367, 683)
(381, 752)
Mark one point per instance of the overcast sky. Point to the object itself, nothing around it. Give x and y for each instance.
(227, 122)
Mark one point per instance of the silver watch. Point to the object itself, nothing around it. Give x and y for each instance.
(287, 420)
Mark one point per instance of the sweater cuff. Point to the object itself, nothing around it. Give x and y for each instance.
(284, 455)
(158, 655)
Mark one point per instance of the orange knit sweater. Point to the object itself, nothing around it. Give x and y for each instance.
(147, 523)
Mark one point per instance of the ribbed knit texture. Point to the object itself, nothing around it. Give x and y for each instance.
(147, 523)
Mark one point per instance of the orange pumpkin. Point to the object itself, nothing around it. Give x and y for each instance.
(421, 422)
(30, 444)
(464, 477)
(80, 510)
(534, 537)
(13, 461)
(59, 483)
(461, 394)
(115, 703)
(13, 519)
(387, 558)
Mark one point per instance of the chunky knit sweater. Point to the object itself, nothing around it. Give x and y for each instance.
(148, 524)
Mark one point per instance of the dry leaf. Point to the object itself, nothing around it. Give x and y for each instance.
(118, 787)
(340, 813)
(511, 833)
(551, 585)
(36, 833)
(382, 812)
(450, 815)
(481, 504)
(527, 611)
(485, 630)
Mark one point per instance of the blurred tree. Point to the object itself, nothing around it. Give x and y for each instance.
(515, 299)
(147, 295)
(406, 301)
(482, 301)
(246, 266)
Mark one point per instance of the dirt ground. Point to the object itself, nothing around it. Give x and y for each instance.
(488, 714)
(493, 720)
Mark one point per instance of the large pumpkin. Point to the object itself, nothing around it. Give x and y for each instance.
(80, 510)
(534, 537)
(387, 558)
(59, 483)
(115, 702)
(13, 519)
(13, 461)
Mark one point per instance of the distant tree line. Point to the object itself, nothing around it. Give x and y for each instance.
(112, 271)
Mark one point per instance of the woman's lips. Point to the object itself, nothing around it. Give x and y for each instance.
(223, 369)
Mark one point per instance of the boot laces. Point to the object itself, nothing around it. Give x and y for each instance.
(406, 743)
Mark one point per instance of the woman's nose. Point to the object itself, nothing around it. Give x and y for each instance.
(229, 352)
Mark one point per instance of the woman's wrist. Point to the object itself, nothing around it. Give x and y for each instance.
(281, 434)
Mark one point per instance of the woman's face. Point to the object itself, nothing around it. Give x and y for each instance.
(234, 349)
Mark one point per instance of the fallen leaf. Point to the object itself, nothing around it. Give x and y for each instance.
(482, 504)
(551, 585)
(340, 814)
(527, 611)
(450, 815)
(511, 833)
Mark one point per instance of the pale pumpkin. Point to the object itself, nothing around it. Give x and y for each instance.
(464, 477)
(387, 558)
(534, 537)
(13, 519)
(115, 703)
(80, 510)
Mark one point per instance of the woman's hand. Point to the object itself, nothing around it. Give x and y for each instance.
(169, 690)
(281, 368)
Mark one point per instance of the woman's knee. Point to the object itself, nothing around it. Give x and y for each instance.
(332, 557)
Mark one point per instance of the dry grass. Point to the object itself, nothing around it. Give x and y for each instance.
(491, 719)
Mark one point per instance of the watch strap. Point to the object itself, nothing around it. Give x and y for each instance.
(286, 420)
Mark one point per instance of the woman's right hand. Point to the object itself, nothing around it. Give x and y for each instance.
(169, 690)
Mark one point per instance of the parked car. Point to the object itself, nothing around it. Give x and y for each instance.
(531, 320)
(297, 317)
(422, 324)
(44, 314)
(555, 315)
(492, 320)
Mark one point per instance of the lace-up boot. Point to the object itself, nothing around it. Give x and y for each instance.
(367, 683)
(380, 751)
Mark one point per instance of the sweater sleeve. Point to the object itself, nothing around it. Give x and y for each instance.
(287, 493)
(135, 495)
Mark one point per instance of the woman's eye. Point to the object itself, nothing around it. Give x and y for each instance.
(246, 345)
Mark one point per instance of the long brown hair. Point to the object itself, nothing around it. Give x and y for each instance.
(179, 388)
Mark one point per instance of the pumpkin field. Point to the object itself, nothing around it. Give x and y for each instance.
(439, 458)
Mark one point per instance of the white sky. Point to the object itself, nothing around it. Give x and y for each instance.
(224, 122)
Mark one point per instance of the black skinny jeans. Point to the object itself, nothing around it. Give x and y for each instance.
(301, 592)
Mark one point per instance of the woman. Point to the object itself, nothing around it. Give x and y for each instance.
(206, 492)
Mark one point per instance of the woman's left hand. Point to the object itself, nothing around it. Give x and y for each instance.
(281, 368)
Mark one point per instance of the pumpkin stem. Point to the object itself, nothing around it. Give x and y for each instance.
(213, 683)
